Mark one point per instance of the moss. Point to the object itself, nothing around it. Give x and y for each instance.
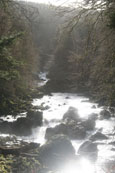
(26, 165)
(6, 164)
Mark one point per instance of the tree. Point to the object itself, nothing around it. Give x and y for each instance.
(18, 59)
(91, 61)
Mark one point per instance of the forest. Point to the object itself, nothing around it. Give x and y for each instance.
(57, 87)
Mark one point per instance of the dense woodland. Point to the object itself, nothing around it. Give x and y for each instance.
(78, 43)
(18, 56)
(85, 56)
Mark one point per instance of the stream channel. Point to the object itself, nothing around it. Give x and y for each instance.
(57, 104)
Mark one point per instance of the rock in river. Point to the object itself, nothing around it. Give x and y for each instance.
(56, 151)
(71, 114)
(105, 114)
(59, 129)
(36, 117)
(88, 149)
(74, 127)
(23, 125)
(72, 130)
(98, 136)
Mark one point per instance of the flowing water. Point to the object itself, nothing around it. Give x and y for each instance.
(56, 105)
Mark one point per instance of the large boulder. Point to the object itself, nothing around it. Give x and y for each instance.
(88, 149)
(59, 129)
(6, 127)
(93, 116)
(75, 130)
(56, 151)
(72, 130)
(36, 117)
(73, 126)
(71, 114)
(23, 125)
(88, 124)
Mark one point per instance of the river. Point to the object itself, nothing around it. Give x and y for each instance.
(56, 105)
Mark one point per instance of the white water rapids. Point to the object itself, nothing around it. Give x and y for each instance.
(57, 104)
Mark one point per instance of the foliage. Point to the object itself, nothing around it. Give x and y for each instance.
(18, 59)
(91, 59)
(5, 164)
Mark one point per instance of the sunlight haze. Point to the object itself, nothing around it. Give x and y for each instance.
(56, 2)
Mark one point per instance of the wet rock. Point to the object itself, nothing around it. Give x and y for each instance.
(46, 122)
(35, 107)
(67, 97)
(36, 117)
(98, 136)
(87, 100)
(56, 151)
(74, 127)
(105, 114)
(42, 108)
(76, 132)
(112, 111)
(71, 129)
(71, 114)
(8, 141)
(6, 127)
(113, 149)
(112, 142)
(92, 116)
(50, 94)
(93, 107)
(1, 120)
(55, 121)
(88, 124)
(59, 129)
(88, 149)
(46, 107)
(23, 125)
